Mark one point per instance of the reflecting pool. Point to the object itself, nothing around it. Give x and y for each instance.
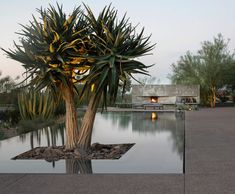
(158, 138)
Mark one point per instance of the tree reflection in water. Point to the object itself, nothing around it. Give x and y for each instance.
(52, 134)
(74, 166)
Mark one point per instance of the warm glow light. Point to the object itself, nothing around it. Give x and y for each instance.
(154, 116)
(153, 99)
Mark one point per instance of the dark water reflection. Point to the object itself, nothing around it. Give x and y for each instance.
(78, 166)
(159, 145)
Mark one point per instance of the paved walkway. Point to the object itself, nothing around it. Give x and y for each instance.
(210, 151)
(209, 163)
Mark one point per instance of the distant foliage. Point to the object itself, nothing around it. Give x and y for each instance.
(11, 117)
(207, 68)
(6, 84)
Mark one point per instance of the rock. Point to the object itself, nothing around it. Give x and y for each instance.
(96, 146)
(115, 152)
(51, 154)
(105, 150)
(37, 151)
(80, 153)
(38, 157)
(107, 146)
(117, 147)
(97, 151)
(58, 152)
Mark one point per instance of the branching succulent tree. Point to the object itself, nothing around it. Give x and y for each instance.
(116, 47)
(46, 50)
(60, 51)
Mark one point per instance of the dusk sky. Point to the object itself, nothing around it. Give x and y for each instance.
(176, 26)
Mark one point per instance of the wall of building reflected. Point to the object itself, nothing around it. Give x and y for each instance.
(152, 123)
(156, 122)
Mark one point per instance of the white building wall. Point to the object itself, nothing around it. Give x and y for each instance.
(167, 94)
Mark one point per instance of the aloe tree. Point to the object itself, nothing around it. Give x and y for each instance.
(116, 47)
(52, 50)
(60, 51)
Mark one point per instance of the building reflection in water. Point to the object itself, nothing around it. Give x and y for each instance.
(161, 122)
(154, 116)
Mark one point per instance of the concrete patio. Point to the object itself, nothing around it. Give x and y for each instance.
(209, 166)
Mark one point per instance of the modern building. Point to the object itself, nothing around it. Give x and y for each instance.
(165, 95)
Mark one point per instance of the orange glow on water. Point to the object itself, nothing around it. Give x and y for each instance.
(154, 116)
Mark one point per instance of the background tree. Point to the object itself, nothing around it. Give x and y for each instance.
(7, 83)
(123, 94)
(206, 68)
(147, 80)
(229, 79)
(8, 91)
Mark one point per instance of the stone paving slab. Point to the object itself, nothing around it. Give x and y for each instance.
(210, 141)
(92, 184)
(7, 180)
(210, 183)
(210, 151)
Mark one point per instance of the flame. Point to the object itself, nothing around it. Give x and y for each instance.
(153, 100)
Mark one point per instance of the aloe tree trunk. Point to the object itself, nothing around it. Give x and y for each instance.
(71, 126)
(85, 132)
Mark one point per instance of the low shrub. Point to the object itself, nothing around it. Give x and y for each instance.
(11, 117)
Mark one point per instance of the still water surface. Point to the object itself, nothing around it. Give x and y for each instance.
(159, 145)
